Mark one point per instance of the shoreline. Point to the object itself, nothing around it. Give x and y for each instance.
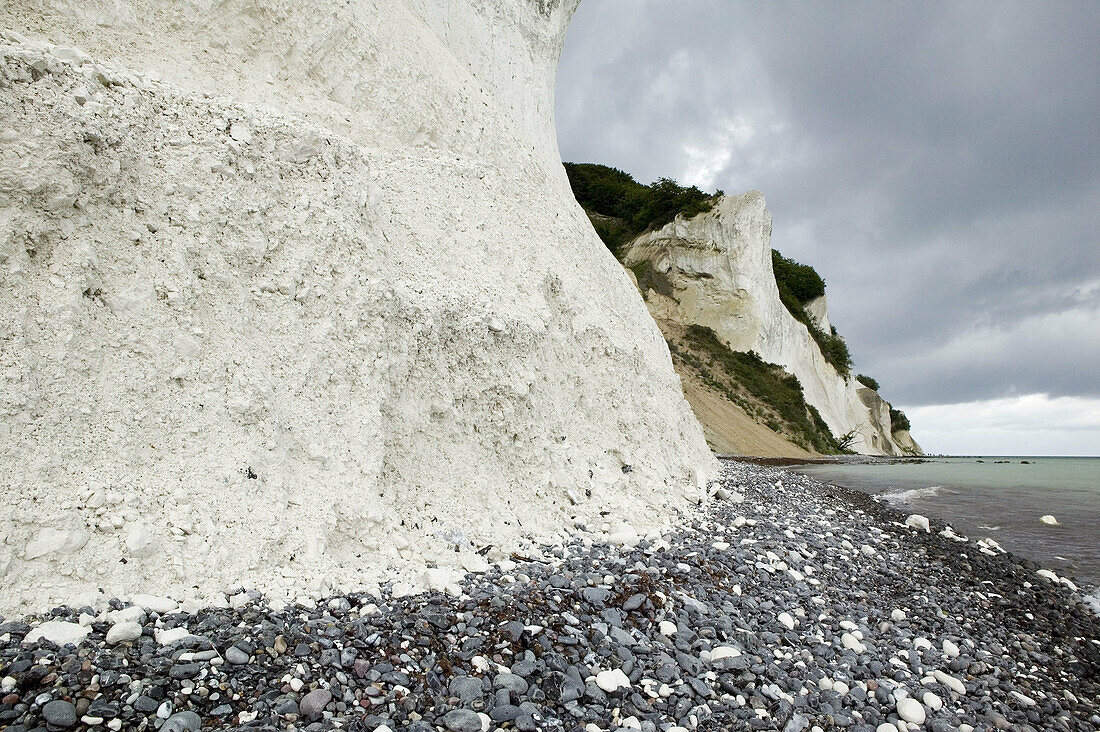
(1022, 539)
(806, 605)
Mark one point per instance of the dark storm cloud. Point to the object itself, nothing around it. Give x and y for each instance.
(939, 164)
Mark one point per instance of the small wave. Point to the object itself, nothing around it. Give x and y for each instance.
(908, 496)
(989, 528)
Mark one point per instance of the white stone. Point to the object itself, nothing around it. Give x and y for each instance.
(840, 687)
(897, 615)
(239, 131)
(917, 521)
(1027, 701)
(717, 654)
(1047, 574)
(132, 614)
(1048, 519)
(950, 681)
(170, 636)
(59, 633)
(850, 642)
(123, 632)
(613, 680)
(668, 628)
(630, 723)
(155, 603)
(786, 620)
(886, 727)
(932, 701)
(921, 643)
(50, 540)
(950, 649)
(296, 684)
(911, 710)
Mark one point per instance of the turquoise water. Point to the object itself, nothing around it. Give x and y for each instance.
(981, 497)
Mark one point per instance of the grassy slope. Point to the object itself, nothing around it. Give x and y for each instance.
(763, 392)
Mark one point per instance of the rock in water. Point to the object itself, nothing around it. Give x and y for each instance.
(1048, 519)
(346, 291)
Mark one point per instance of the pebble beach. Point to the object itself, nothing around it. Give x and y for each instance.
(784, 604)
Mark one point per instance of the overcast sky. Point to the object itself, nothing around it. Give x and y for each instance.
(938, 164)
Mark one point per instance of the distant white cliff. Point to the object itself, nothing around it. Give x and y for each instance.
(715, 269)
(296, 296)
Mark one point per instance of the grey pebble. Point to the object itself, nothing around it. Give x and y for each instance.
(314, 703)
(182, 722)
(60, 713)
(462, 720)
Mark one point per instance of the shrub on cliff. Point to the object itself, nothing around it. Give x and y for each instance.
(800, 282)
(867, 381)
(622, 208)
(898, 421)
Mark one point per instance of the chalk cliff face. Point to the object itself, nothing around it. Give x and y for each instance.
(716, 270)
(295, 295)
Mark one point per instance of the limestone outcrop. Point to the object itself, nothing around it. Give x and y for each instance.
(715, 269)
(294, 295)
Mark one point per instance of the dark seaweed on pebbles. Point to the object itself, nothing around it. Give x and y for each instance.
(803, 606)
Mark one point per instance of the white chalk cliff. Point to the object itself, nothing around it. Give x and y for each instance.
(715, 269)
(295, 295)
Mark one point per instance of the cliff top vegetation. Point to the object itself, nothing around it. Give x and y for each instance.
(621, 208)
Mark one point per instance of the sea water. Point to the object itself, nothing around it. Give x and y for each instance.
(998, 497)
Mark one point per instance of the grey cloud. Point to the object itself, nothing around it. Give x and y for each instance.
(938, 164)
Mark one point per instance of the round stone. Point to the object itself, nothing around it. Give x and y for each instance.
(911, 710)
(182, 722)
(123, 632)
(932, 701)
(314, 703)
(462, 720)
(60, 713)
